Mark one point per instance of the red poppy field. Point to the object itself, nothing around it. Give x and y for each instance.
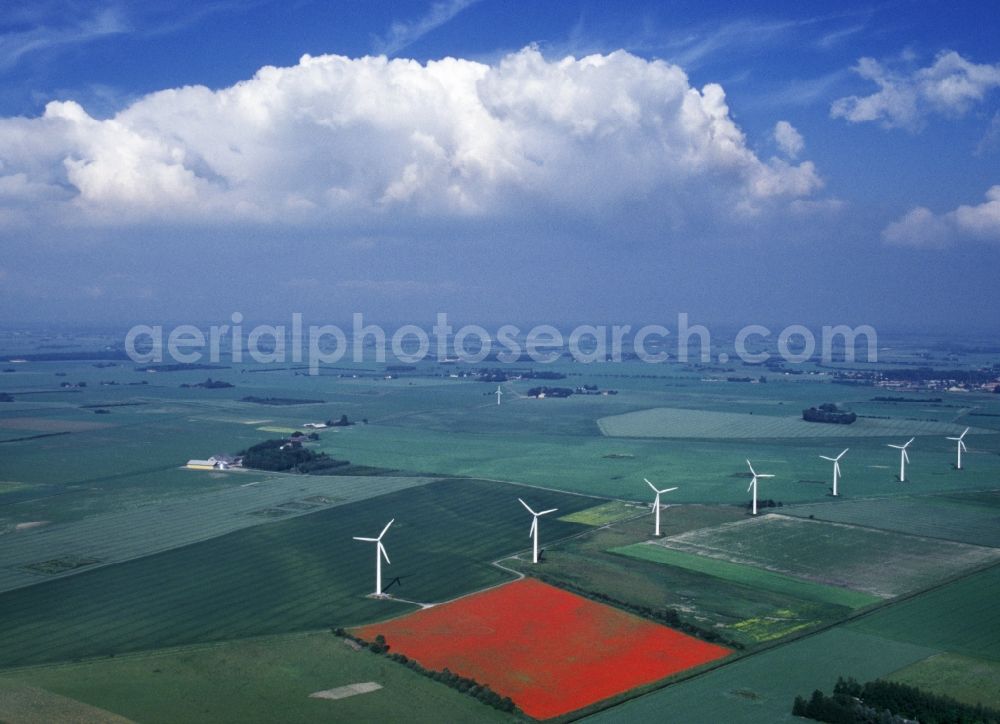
(550, 651)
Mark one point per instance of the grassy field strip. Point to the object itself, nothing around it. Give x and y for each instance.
(761, 688)
(116, 537)
(606, 513)
(950, 518)
(682, 423)
(969, 679)
(879, 562)
(26, 704)
(292, 575)
(261, 679)
(749, 576)
(962, 617)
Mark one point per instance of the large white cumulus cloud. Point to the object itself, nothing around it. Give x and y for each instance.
(339, 140)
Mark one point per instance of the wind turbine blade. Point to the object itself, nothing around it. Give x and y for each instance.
(385, 555)
(527, 507)
(550, 510)
(534, 526)
(651, 485)
(843, 453)
(367, 540)
(764, 475)
(964, 433)
(905, 455)
(909, 441)
(898, 447)
(832, 460)
(750, 487)
(669, 490)
(962, 445)
(751, 467)
(386, 528)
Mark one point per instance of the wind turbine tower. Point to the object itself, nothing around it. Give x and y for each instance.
(656, 504)
(534, 528)
(836, 467)
(379, 554)
(499, 392)
(753, 484)
(960, 447)
(903, 458)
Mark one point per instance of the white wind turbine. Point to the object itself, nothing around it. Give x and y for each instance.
(753, 484)
(499, 392)
(534, 528)
(379, 554)
(656, 504)
(836, 467)
(903, 458)
(960, 447)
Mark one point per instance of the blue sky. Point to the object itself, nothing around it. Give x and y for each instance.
(569, 161)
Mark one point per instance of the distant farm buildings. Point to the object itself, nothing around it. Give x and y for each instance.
(216, 462)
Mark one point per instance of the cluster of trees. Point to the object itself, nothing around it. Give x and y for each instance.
(493, 374)
(288, 455)
(828, 412)
(887, 702)
(210, 384)
(342, 422)
(462, 683)
(667, 616)
(593, 390)
(180, 367)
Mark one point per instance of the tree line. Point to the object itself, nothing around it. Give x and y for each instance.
(464, 684)
(888, 702)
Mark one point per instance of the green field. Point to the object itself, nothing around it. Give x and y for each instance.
(878, 562)
(257, 680)
(761, 688)
(896, 641)
(259, 498)
(970, 680)
(682, 423)
(431, 424)
(746, 614)
(26, 704)
(289, 575)
(961, 617)
(749, 576)
(972, 518)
